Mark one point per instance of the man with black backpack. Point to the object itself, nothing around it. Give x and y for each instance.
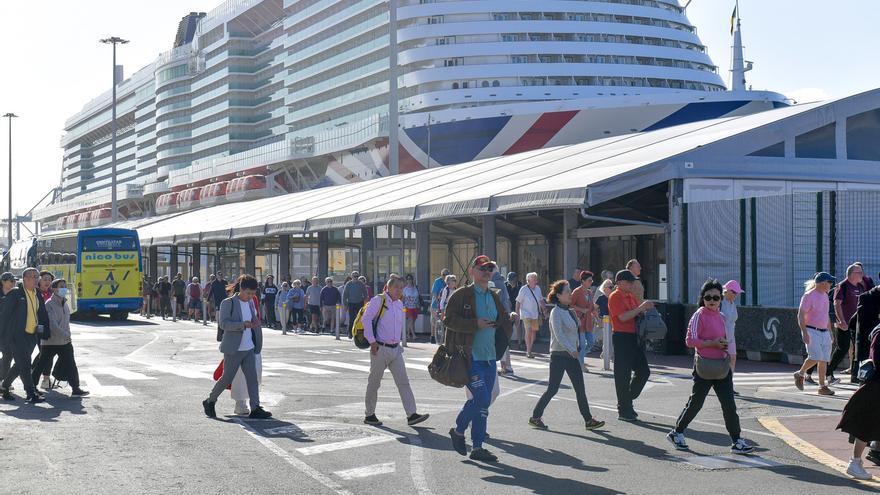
(383, 321)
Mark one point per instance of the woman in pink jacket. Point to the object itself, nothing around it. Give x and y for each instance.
(706, 334)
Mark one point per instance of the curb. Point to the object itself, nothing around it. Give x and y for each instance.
(773, 425)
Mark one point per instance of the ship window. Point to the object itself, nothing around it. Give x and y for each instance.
(862, 136)
(437, 19)
(455, 85)
(496, 83)
(464, 85)
(485, 84)
(818, 143)
(773, 151)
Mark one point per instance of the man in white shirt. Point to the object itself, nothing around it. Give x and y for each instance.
(530, 308)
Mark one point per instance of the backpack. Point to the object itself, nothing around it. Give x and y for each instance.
(357, 327)
(650, 326)
(195, 292)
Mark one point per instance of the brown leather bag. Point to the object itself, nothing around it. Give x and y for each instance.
(450, 367)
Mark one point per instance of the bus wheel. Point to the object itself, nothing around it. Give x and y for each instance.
(119, 315)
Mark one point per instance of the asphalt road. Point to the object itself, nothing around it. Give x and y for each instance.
(143, 429)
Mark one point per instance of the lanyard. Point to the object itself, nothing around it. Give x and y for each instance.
(32, 299)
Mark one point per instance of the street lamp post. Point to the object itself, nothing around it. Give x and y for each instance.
(10, 116)
(113, 207)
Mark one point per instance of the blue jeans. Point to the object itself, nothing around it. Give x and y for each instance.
(587, 341)
(476, 410)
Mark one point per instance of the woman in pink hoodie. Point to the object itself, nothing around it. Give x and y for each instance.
(706, 334)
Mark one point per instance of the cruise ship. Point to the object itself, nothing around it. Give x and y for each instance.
(265, 97)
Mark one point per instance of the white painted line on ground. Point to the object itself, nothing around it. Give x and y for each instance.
(120, 373)
(346, 366)
(98, 390)
(730, 462)
(346, 444)
(293, 461)
(529, 364)
(300, 369)
(417, 465)
(93, 336)
(179, 371)
(366, 471)
(791, 390)
(412, 366)
(613, 408)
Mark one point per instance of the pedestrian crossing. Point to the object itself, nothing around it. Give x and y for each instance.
(784, 383)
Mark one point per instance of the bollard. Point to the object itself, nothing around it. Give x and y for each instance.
(149, 306)
(204, 314)
(336, 325)
(174, 308)
(607, 346)
(403, 340)
(284, 318)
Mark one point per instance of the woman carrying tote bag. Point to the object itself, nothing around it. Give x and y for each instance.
(706, 334)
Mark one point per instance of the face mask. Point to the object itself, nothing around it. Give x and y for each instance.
(63, 292)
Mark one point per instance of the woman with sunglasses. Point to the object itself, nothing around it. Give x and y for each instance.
(706, 334)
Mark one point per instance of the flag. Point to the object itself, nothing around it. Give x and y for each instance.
(733, 20)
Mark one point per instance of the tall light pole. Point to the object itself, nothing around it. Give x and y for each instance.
(113, 207)
(10, 116)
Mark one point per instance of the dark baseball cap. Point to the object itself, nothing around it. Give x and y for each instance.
(7, 276)
(625, 276)
(824, 277)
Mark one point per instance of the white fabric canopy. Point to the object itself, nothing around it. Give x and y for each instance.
(572, 176)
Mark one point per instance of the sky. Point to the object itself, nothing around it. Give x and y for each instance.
(51, 63)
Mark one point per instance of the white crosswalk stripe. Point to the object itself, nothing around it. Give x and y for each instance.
(299, 369)
(346, 366)
(95, 388)
(838, 390)
(412, 366)
(120, 373)
(366, 471)
(346, 444)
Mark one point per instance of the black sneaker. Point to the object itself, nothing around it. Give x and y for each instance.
(78, 392)
(484, 455)
(210, 410)
(34, 399)
(832, 380)
(5, 394)
(433, 340)
(629, 416)
(416, 418)
(809, 379)
(594, 424)
(874, 456)
(458, 442)
(260, 413)
(537, 424)
(372, 420)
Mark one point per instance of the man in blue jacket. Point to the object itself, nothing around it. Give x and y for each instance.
(23, 318)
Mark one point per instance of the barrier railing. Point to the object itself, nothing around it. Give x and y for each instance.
(607, 346)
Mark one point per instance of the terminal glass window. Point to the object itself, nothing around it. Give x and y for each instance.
(818, 143)
(773, 151)
(862, 136)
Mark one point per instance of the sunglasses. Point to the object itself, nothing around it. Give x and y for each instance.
(486, 268)
(712, 298)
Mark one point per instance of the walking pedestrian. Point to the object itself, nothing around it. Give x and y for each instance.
(178, 288)
(296, 302)
(530, 308)
(330, 298)
(859, 417)
(23, 317)
(476, 323)
(146, 294)
(7, 283)
(564, 358)
(354, 295)
(867, 318)
(582, 304)
(218, 292)
(194, 294)
(732, 290)
(451, 286)
(635, 268)
(436, 287)
(282, 306)
(846, 302)
(631, 369)
(707, 335)
(815, 328)
(44, 290)
(163, 288)
(513, 286)
(412, 303)
(270, 292)
(383, 322)
(313, 300)
(369, 287)
(505, 366)
(242, 340)
(59, 342)
(575, 281)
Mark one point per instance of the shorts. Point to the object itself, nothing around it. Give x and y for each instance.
(531, 324)
(412, 313)
(181, 300)
(195, 304)
(314, 310)
(819, 348)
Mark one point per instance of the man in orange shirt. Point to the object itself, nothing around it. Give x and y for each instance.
(631, 369)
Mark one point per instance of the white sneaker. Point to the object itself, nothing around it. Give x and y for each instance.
(241, 408)
(46, 383)
(857, 471)
(741, 447)
(677, 439)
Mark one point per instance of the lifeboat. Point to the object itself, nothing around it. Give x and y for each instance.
(247, 187)
(213, 194)
(189, 198)
(100, 216)
(167, 203)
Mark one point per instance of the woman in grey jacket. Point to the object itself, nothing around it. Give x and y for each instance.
(59, 343)
(563, 357)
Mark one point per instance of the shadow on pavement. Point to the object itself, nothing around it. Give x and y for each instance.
(107, 322)
(535, 482)
(783, 403)
(39, 412)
